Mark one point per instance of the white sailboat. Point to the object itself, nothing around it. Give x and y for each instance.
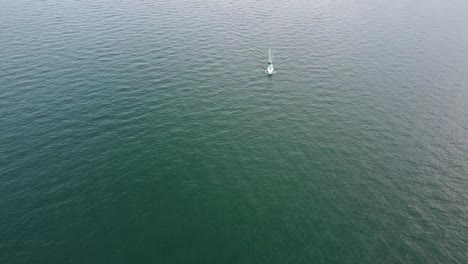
(270, 69)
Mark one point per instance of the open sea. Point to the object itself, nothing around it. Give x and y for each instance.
(146, 131)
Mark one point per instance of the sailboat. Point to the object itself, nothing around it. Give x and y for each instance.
(270, 69)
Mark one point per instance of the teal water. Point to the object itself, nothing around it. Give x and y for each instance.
(147, 131)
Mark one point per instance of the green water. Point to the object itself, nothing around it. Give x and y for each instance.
(148, 132)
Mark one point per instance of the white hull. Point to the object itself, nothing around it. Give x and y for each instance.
(270, 69)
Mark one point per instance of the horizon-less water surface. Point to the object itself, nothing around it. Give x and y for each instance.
(148, 132)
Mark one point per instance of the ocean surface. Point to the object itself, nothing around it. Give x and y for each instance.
(138, 131)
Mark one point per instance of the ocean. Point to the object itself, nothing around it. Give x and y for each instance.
(148, 132)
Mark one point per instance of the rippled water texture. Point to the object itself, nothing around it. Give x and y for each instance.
(148, 132)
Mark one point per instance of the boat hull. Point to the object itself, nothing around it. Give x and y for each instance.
(270, 70)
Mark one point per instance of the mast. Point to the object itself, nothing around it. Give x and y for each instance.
(270, 60)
